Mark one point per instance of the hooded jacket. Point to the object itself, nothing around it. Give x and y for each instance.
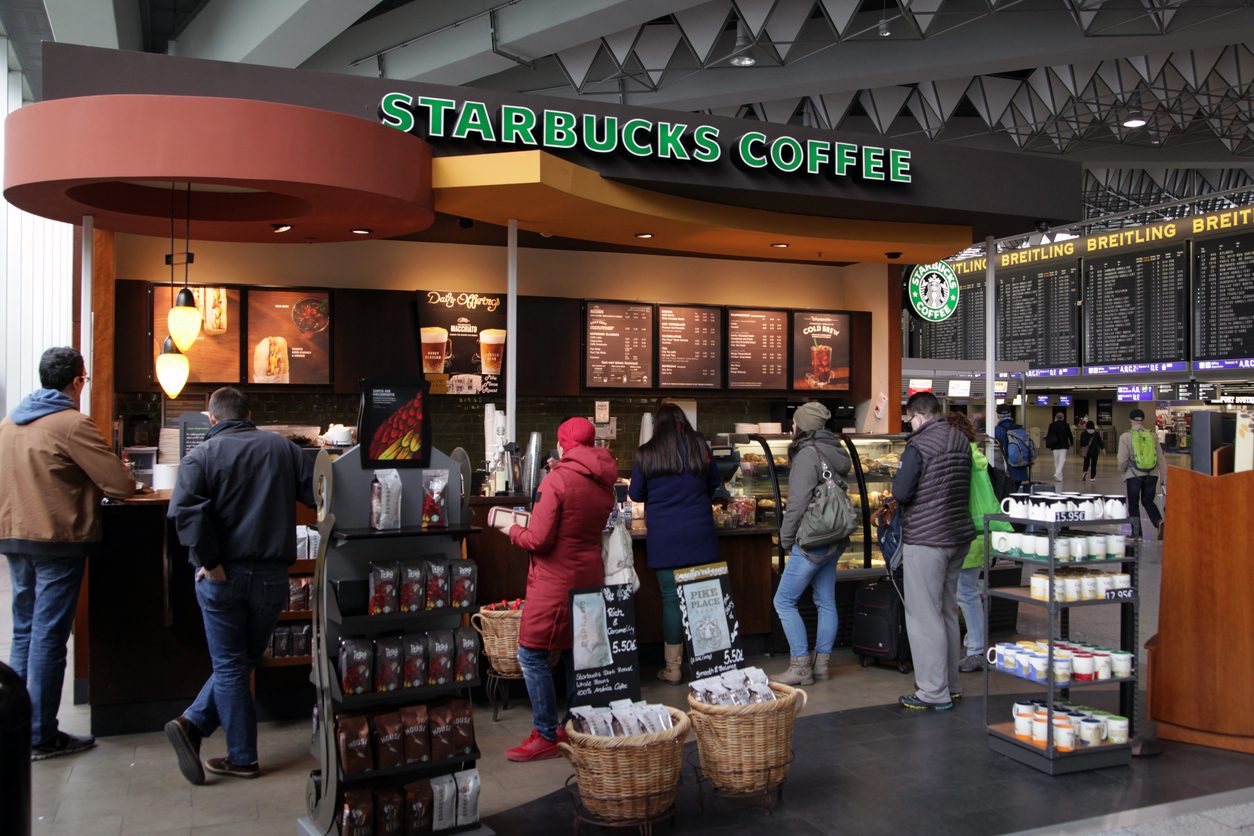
(804, 475)
(57, 468)
(564, 539)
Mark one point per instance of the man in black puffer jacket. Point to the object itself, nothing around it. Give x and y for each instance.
(933, 489)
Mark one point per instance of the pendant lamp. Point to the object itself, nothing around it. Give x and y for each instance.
(172, 369)
(185, 316)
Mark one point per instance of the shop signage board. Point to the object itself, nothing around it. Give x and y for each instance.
(1065, 371)
(215, 356)
(933, 290)
(393, 424)
(918, 384)
(1126, 394)
(757, 349)
(959, 389)
(1223, 365)
(618, 345)
(820, 351)
(690, 347)
(711, 630)
(289, 337)
(603, 646)
(1064, 400)
(1042, 400)
(462, 341)
(193, 427)
(1139, 368)
(1105, 413)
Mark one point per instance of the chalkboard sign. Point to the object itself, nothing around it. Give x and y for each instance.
(603, 628)
(193, 427)
(711, 631)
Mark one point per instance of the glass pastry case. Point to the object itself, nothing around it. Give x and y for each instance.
(876, 459)
(762, 474)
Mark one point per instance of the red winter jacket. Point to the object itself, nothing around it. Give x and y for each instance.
(564, 538)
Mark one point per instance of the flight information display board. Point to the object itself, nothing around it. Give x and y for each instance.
(690, 347)
(757, 349)
(1038, 319)
(1136, 312)
(1223, 305)
(961, 337)
(618, 341)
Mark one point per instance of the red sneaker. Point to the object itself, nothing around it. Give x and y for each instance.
(562, 736)
(534, 748)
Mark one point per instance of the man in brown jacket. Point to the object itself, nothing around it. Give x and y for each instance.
(57, 467)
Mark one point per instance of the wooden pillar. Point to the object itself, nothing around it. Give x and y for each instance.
(893, 289)
(103, 281)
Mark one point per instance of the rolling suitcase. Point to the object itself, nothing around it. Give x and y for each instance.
(879, 625)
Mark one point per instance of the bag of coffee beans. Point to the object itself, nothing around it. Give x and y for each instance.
(281, 641)
(437, 585)
(302, 639)
(389, 747)
(439, 657)
(356, 665)
(443, 803)
(356, 754)
(441, 726)
(467, 797)
(413, 585)
(357, 815)
(465, 582)
(466, 666)
(389, 812)
(418, 808)
(389, 658)
(383, 589)
(415, 674)
(463, 726)
(417, 737)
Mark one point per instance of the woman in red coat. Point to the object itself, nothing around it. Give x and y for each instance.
(564, 539)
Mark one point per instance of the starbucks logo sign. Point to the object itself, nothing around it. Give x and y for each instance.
(934, 291)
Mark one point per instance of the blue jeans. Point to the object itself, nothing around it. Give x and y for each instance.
(240, 615)
(540, 689)
(800, 572)
(972, 609)
(45, 597)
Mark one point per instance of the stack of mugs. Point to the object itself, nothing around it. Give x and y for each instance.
(1048, 507)
(1073, 584)
(1073, 661)
(1067, 548)
(1075, 726)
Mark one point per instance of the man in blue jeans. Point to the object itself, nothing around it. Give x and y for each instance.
(234, 506)
(57, 467)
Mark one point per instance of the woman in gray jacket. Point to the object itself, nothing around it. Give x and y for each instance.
(814, 448)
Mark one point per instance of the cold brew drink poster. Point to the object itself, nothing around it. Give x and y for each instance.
(820, 351)
(462, 341)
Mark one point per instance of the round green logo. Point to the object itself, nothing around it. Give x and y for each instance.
(934, 291)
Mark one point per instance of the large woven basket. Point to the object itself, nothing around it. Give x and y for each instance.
(747, 748)
(628, 779)
(499, 629)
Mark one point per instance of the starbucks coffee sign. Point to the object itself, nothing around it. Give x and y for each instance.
(934, 291)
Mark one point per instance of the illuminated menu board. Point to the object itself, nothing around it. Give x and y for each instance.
(820, 351)
(690, 347)
(214, 357)
(289, 336)
(1223, 304)
(619, 345)
(961, 337)
(757, 349)
(1136, 312)
(1039, 318)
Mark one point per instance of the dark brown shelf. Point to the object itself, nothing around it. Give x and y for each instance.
(286, 662)
(400, 697)
(411, 770)
(343, 534)
(296, 615)
(1023, 595)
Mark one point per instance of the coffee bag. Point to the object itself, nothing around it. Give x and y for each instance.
(389, 745)
(418, 801)
(389, 657)
(413, 581)
(417, 736)
(415, 673)
(384, 590)
(466, 666)
(389, 812)
(356, 666)
(356, 753)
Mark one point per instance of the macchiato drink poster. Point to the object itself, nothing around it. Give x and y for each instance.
(462, 340)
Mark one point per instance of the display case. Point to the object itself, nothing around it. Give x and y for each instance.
(876, 459)
(762, 474)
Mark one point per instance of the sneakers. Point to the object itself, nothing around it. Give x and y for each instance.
(223, 766)
(913, 702)
(185, 738)
(61, 744)
(972, 663)
(534, 748)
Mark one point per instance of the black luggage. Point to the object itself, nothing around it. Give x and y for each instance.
(879, 625)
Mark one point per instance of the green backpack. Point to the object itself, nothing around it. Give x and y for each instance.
(1144, 450)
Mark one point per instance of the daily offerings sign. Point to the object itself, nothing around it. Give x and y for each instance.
(521, 126)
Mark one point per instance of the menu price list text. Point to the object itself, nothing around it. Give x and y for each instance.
(690, 347)
(757, 349)
(1223, 308)
(1136, 307)
(961, 337)
(1039, 318)
(619, 339)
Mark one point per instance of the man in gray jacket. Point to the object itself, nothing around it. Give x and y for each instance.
(933, 489)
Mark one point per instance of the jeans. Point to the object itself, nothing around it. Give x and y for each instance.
(672, 618)
(240, 614)
(1141, 490)
(45, 597)
(972, 605)
(540, 689)
(800, 572)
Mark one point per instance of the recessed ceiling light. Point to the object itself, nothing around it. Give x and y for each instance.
(644, 234)
(361, 230)
(1136, 120)
(280, 227)
(780, 245)
(742, 61)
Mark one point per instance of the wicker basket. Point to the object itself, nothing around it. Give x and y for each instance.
(747, 748)
(499, 629)
(628, 779)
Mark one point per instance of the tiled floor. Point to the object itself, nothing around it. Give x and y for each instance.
(131, 784)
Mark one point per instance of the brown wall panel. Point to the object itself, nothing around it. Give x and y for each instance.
(548, 347)
(375, 335)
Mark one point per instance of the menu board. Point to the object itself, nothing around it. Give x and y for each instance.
(289, 336)
(619, 345)
(1223, 311)
(462, 341)
(961, 337)
(1136, 312)
(393, 427)
(690, 347)
(1039, 317)
(820, 351)
(214, 357)
(757, 351)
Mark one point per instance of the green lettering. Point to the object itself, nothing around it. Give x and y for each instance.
(474, 119)
(437, 107)
(817, 155)
(630, 128)
(846, 155)
(706, 139)
(794, 157)
(872, 162)
(518, 124)
(607, 141)
(396, 112)
(899, 166)
(558, 129)
(746, 153)
(668, 141)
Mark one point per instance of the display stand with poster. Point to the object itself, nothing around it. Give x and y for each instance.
(462, 341)
(603, 647)
(711, 631)
(393, 423)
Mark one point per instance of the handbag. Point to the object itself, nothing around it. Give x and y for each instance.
(617, 557)
(830, 517)
(888, 532)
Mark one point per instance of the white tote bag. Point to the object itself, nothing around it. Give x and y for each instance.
(616, 556)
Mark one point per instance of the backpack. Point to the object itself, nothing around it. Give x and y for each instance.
(1020, 451)
(1144, 450)
(830, 517)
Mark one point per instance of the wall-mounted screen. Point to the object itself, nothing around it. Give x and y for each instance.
(214, 357)
(820, 351)
(618, 341)
(690, 347)
(961, 337)
(1223, 308)
(757, 349)
(462, 341)
(1136, 312)
(289, 336)
(1038, 319)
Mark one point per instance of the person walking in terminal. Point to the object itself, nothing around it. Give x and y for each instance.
(1059, 439)
(933, 489)
(814, 449)
(1141, 465)
(1091, 445)
(675, 474)
(234, 508)
(56, 467)
(1016, 446)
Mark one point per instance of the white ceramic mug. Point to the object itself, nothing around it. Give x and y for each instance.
(1040, 668)
(1121, 663)
(1116, 507)
(1071, 590)
(1024, 708)
(1101, 664)
(1040, 545)
(1062, 671)
(1105, 583)
(1015, 505)
(1062, 550)
(1079, 547)
(1097, 546)
(1002, 543)
(1092, 732)
(1040, 728)
(1121, 580)
(1038, 587)
(1082, 667)
(1116, 729)
(1064, 738)
(1116, 546)
(1023, 726)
